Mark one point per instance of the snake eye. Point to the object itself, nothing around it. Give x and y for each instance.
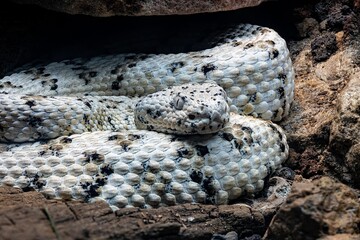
(179, 102)
(191, 116)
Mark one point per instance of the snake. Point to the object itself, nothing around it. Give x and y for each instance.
(150, 130)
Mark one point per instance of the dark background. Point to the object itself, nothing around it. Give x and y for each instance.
(30, 34)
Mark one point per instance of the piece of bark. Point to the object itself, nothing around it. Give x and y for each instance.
(28, 215)
(106, 8)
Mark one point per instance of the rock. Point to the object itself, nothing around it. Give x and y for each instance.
(323, 46)
(274, 195)
(318, 86)
(316, 209)
(229, 236)
(308, 27)
(28, 215)
(345, 134)
(106, 8)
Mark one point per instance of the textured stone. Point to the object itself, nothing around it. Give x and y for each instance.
(105, 8)
(345, 130)
(30, 216)
(274, 195)
(317, 209)
(317, 87)
(323, 46)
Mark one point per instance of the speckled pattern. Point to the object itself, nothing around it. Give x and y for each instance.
(251, 63)
(148, 169)
(185, 109)
(248, 71)
(172, 110)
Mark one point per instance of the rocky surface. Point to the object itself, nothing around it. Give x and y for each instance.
(106, 8)
(316, 209)
(319, 83)
(30, 214)
(322, 129)
(345, 129)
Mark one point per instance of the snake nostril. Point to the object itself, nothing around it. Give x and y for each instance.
(216, 116)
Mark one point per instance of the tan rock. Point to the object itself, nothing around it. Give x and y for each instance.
(321, 208)
(105, 8)
(28, 215)
(345, 130)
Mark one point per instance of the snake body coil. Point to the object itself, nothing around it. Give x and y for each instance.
(248, 71)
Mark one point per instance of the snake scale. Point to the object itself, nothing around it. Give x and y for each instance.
(151, 130)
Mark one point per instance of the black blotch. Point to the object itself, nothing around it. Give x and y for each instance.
(276, 130)
(88, 104)
(207, 68)
(30, 103)
(66, 140)
(115, 85)
(208, 187)
(281, 92)
(54, 86)
(182, 152)
(91, 190)
(94, 156)
(106, 170)
(150, 127)
(236, 43)
(191, 116)
(39, 183)
(28, 188)
(41, 153)
(113, 127)
(176, 65)
(282, 147)
(157, 113)
(249, 45)
(201, 150)
(34, 121)
(274, 54)
(40, 70)
(125, 146)
(247, 129)
(238, 145)
(101, 181)
(134, 137)
(253, 98)
(227, 136)
(282, 77)
(196, 176)
(86, 119)
(113, 137)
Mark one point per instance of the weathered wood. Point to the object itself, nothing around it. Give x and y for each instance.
(28, 215)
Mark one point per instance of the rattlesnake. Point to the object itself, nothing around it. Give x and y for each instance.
(87, 107)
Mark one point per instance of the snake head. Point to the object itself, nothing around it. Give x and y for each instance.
(185, 109)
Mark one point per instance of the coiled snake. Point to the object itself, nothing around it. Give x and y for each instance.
(150, 130)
